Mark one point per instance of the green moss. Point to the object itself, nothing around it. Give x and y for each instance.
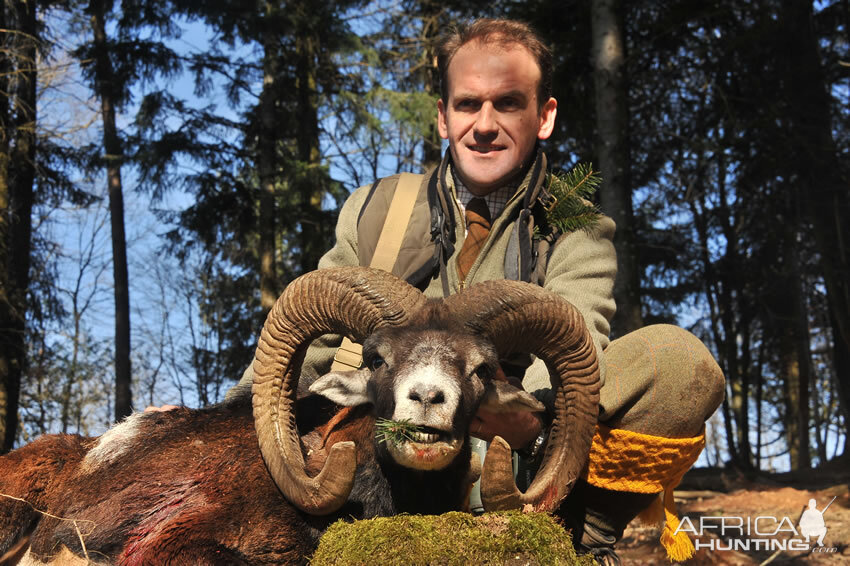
(449, 539)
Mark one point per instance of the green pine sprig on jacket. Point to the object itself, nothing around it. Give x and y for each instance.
(573, 209)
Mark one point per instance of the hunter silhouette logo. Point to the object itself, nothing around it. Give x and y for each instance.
(811, 522)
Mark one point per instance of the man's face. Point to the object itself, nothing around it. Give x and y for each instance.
(492, 118)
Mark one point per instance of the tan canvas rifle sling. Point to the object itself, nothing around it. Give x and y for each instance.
(350, 355)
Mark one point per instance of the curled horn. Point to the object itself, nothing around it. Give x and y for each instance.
(353, 301)
(520, 317)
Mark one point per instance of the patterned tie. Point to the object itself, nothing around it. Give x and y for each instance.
(478, 227)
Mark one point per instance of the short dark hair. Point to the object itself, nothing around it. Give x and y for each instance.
(504, 33)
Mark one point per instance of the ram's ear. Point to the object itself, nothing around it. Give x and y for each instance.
(346, 388)
(502, 397)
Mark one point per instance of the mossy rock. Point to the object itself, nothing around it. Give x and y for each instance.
(450, 539)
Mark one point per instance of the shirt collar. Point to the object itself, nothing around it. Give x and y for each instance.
(496, 200)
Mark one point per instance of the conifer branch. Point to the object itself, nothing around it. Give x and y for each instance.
(572, 209)
(387, 430)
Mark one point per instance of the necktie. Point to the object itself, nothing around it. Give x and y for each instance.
(478, 227)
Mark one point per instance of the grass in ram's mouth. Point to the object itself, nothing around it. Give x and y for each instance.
(387, 430)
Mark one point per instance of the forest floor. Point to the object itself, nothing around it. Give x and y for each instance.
(707, 495)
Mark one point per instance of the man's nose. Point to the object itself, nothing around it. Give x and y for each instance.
(485, 123)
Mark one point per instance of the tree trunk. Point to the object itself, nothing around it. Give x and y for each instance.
(790, 368)
(804, 352)
(841, 365)
(612, 149)
(735, 316)
(794, 345)
(105, 87)
(714, 284)
(745, 369)
(16, 203)
(267, 147)
(431, 141)
(8, 359)
(827, 203)
(759, 398)
(311, 181)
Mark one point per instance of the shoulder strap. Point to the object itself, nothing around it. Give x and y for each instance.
(398, 216)
(350, 355)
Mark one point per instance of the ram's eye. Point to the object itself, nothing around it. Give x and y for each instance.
(376, 362)
(484, 372)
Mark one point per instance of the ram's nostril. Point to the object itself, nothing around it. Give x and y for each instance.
(426, 395)
(436, 397)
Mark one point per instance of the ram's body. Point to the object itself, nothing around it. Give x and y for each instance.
(183, 485)
(238, 483)
(190, 486)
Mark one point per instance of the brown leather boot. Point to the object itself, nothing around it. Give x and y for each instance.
(598, 517)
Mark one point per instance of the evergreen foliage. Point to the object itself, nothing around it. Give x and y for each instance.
(572, 208)
(394, 431)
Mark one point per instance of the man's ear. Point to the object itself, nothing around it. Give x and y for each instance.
(502, 397)
(346, 388)
(442, 120)
(547, 119)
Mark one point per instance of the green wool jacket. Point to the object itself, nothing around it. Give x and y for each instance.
(581, 268)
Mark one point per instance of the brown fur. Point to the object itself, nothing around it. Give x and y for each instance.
(349, 423)
(192, 488)
(186, 487)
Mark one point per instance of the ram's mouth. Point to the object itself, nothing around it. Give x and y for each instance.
(431, 455)
(428, 435)
(419, 447)
(399, 432)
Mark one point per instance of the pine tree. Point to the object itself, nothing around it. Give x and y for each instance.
(112, 66)
(18, 70)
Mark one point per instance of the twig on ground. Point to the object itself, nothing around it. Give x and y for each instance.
(771, 558)
(75, 522)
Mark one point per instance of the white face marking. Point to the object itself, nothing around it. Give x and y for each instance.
(421, 381)
(113, 443)
(429, 376)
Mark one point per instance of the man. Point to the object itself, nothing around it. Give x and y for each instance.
(495, 106)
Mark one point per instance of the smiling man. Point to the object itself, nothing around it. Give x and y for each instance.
(481, 215)
(493, 110)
